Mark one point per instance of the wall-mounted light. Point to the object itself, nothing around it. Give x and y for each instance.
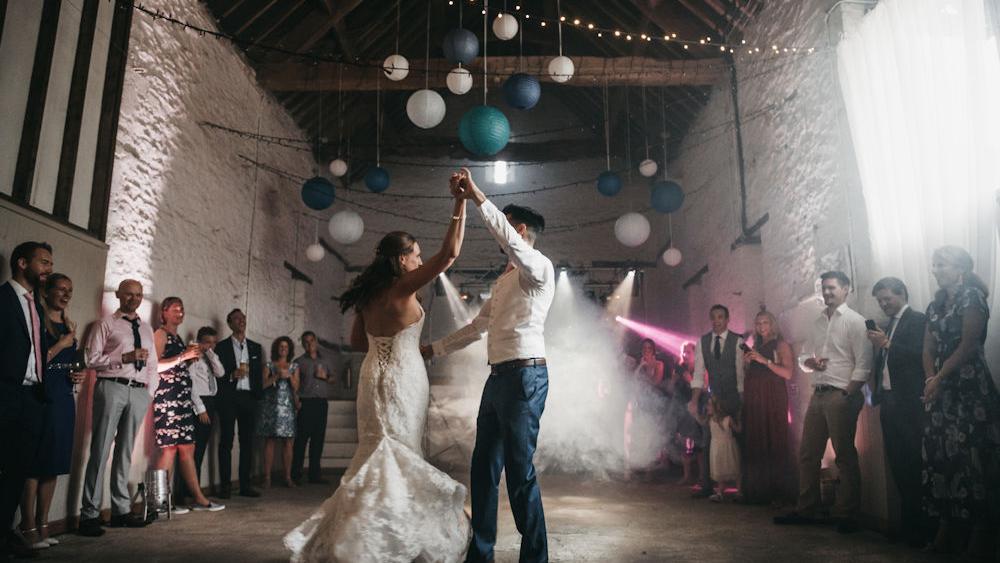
(500, 171)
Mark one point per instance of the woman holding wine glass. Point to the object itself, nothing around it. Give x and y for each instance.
(55, 448)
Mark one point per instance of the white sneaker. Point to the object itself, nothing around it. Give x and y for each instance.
(51, 541)
(212, 507)
(179, 510)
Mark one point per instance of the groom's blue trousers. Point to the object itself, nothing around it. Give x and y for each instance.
(506, 434)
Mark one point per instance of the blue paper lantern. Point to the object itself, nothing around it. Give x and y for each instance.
(461, 46)
(609, 183)
(484, 130)
(377, 179)
(666, 196)
(317, 193)
(522, 91)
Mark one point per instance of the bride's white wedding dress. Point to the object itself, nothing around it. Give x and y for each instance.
(391, 505)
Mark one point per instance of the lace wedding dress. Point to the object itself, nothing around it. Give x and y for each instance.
(391, 505)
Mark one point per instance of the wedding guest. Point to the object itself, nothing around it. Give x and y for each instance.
(276, 420)
(897, 385)
(204, 372)
(21, 381)
(689, 436)
(724, 453)
(55, 446)
(317, 371)
(239, 391)
(961, 442)
(126, 380)
(173, 411)
(718, 371)
(765, 413)
(643, 405)
(838, 358)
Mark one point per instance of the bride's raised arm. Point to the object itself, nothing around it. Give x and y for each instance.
(412, 281)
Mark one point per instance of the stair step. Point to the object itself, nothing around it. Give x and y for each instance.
(341, 421)
(348, 435)
(342, 407)
(339, 449)
(335, 462)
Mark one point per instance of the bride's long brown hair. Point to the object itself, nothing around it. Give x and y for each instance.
(378, 276)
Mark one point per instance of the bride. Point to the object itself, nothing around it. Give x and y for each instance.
(392, 505)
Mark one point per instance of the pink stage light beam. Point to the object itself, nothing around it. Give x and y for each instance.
(670, 341)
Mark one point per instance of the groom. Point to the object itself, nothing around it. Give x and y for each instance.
(514, 396)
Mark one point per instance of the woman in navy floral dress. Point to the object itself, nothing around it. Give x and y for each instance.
(961, 444)
(173, 411)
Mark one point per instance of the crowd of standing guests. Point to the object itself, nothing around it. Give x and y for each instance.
(939, 409)
(190, 386)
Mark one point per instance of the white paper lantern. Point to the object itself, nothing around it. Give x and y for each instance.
(459, 80)
(315, 252)
(561, 69)
(425, 108)
(338, 167)
(396, 67)
(346, 227)
(672, 257)
(505, 26)
(632, 229)
(648, 168)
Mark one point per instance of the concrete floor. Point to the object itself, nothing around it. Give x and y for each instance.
(587, 521)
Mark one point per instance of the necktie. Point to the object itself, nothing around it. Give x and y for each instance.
(717, 351)
(36, 335)
(891, 327)
(137, 342)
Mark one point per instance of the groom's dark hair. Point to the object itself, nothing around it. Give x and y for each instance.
(531, 219)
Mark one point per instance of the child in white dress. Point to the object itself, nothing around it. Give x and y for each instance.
(724, 453)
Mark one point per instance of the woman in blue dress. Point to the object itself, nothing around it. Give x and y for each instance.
(55, 449)
(276, 420)
(961, 443)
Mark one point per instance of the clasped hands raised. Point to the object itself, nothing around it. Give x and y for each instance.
(461, 184)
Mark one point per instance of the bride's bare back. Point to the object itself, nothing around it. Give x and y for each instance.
(390, 313)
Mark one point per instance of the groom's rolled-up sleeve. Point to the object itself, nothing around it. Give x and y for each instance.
(465, 335)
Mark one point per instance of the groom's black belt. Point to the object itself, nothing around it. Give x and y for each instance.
(518, 364)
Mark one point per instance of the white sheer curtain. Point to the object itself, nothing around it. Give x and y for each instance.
(921, 85)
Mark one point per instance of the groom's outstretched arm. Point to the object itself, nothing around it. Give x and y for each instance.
(465, 335)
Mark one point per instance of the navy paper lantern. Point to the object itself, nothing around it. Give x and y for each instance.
(317, 193)
(522, 91)
(377, 179)
(484, 130)
(609, 183)
(461, 46)
(666, 196)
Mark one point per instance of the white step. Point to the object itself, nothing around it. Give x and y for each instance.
(335, 462)
(338, 421)
(339, 450)
(349, 435)
(341, 407)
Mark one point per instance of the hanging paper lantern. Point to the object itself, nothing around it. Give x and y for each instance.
(338, 168)
(346, 227)
(561, 69)
(459, 80)
(425, 108)
(666, 196)
(377, 179)
(632, 229)
(609, 183)
(672, 257)
(648, 168)
(317, 193)
(505, 26)
(484, 130)
(396, 67)
(461, 46)
(522, 91)
(315, 252)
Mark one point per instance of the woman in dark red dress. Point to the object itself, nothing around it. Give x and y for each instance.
(765, 413)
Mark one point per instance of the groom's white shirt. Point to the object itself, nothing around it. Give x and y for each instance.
(514, 317)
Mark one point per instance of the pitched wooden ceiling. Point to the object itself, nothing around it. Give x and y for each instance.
(365, 31)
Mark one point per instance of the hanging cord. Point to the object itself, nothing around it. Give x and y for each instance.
(253, 212)
(520, 44)
(645, 122)
(427, 50)
(559, 25)
(378, 120)
(664, 133)
(340, 110)
(628, 135)
(486, 8)
(319, 134)
(397, 26)
(607, 130)
(670, 229)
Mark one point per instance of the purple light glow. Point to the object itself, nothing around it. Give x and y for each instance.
(670, 341)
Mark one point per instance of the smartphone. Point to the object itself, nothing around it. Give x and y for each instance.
(870, 324)
(744, 347)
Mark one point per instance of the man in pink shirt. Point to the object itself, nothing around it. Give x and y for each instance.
(118, 349)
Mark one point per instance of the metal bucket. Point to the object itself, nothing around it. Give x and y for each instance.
(157, 494)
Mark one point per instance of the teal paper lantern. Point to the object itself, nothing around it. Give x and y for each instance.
(377, 179)
(609, 183)
(484, 130)
(666, 196)
(317, 193)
